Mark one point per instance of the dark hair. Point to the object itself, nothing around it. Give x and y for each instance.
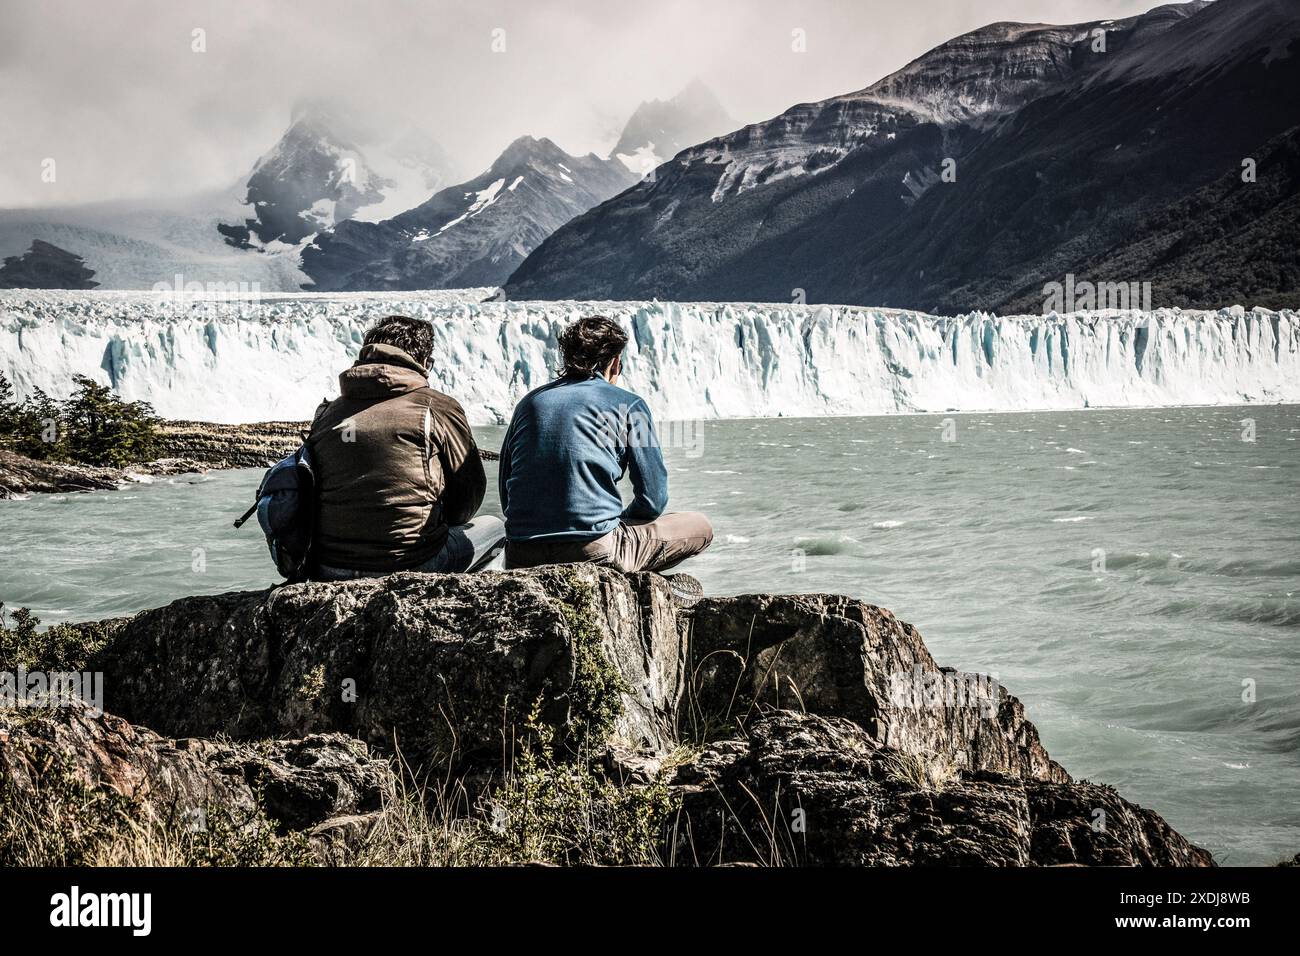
(590, 344)
(412, 336)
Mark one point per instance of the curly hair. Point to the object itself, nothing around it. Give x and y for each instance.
(412, 336)
(590, 344)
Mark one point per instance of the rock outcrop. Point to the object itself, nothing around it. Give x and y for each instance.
(247, 445)
(800, 788)
(299, 784)
(810, 729)
(834, 656)
(440, 666)
(21, 476)
(254, 445)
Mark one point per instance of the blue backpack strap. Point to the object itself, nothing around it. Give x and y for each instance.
(286, 508)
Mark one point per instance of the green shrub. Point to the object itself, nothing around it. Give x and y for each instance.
(562, 812)
(92, 427)
(100, 429)
(60, 647)
(595, 696)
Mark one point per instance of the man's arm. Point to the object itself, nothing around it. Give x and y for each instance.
(503, 468)
(462, 467)
(645, 464)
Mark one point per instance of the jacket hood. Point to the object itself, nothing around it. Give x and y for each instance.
(381, 371)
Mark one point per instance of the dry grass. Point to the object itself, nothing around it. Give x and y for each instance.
(64, 822)
(544, 809)
(926, 771)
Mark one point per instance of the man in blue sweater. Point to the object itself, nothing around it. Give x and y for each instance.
(568, 445)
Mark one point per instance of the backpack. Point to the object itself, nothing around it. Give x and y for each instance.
(286, 510)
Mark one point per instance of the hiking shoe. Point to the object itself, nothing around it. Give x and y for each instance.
(685, 588)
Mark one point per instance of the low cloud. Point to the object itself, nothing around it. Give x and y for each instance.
(116, 94)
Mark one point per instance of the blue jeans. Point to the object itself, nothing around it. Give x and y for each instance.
(468, 546)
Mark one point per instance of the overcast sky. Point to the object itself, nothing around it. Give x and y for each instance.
(114, 92)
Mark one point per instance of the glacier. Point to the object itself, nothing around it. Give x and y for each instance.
(256, 357)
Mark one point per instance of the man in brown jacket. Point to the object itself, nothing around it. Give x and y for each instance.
(398, 475)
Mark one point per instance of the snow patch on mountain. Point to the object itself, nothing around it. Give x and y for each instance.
(263, 358)
(413, 166)
(643, 161)
(482, 199)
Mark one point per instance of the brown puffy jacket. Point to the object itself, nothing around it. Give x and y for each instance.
(396, 464)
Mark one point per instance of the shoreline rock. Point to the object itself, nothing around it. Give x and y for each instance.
(220, 446)
(188, 448)
(251, 445)
(835, 656)
(21, 476)
(821, 790)
(788, 727)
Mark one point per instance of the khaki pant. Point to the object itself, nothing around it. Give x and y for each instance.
(633, 546)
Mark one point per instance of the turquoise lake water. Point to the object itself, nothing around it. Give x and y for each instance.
(1131, 575)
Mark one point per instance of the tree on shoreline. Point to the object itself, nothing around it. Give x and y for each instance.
(91, 427)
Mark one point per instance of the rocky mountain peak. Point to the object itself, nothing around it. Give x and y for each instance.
(331, 165)
(659, 129)
(472, 234)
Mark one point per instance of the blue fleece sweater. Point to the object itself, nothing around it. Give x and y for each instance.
(567, 446)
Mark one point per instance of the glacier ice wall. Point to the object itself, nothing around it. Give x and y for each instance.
(275, 357)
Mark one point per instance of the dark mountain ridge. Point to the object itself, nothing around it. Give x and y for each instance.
(1056, 149)
(473, 234)
(46, 266)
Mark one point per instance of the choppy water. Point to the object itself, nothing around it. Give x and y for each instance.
(1128, 574)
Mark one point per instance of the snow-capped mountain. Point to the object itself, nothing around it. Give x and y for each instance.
(234, 361)
(329, 167)
(472, 234)
(660, 129)
(999, 161)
